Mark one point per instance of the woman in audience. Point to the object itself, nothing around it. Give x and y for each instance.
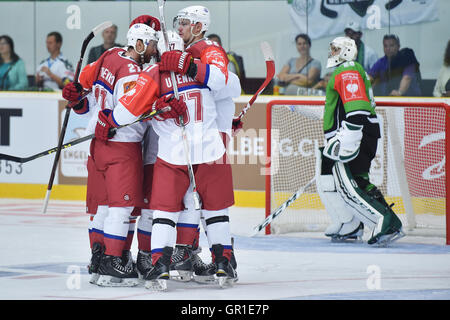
(13, 75)
(302, 72)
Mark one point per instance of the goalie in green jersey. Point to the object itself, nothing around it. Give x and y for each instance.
(352, 130)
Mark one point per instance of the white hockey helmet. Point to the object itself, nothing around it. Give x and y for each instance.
(175, 42)
(194, 14)
(143, 32)
(341, 49)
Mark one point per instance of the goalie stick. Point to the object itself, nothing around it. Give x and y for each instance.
(270, 72)
(195, 195)
(281, 208)
(96, 31)
(8, 157)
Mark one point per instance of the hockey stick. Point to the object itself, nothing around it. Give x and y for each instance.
(76, 141)
(97, 30)
(270, 67)
(281, 208)
(196, 196)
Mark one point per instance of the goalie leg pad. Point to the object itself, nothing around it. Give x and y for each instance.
(370, 211)
(343, 220)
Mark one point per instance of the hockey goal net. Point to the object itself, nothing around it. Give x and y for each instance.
(409, 168)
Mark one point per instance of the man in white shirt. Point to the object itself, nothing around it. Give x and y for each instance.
(55, 71)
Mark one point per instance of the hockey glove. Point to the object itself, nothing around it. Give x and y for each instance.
(72, 91)
(174, 108)
(175, 61)
(345, 145)
(236, 126)
(105, 122)
(150, 21)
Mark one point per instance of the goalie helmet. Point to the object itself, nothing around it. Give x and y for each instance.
(341, 49)
(194, 14)
(140, 31)
(175, 42)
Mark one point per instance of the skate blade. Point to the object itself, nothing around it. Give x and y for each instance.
(110, 281)
(352, 239)
(225, 281)
(181, 275)
(388, 239)
(156, 285)
(94, 278)
(205, 279)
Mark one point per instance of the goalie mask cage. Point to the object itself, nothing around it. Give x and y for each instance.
(409, 167)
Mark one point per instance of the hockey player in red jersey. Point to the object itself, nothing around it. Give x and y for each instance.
(191, 23)
(115, 168)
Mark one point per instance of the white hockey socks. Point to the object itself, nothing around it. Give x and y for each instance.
(144, 230)
(96, 225)
(164, 232)
(218, 227)
(116, 228)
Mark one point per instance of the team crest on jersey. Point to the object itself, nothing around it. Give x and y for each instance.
(215, 57)
(352, 86)
(127, 86)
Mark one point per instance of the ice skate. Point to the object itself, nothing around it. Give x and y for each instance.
(226, 276)
(354, 236)
(181, 268)
(97, 252)
(143, 263)
(203, 273)
(113, 273)
(156, 278)
(391, 231)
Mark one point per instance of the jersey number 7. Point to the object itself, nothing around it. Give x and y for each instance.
(192, 97)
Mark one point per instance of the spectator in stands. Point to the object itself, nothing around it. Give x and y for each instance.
(13, 75)
(109, 41)
(442, 86)
(54, 72)
(236, 63)
(366, 55)
(398, 72)
(302, 72)
(321, 86)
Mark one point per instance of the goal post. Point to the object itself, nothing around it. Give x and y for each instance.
(409, 168)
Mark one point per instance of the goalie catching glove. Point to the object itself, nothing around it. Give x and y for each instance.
(172, 107)
(105, 122)
(345, 145)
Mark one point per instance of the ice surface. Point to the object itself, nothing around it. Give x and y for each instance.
(44, 256)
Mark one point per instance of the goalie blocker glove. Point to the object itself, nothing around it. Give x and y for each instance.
(345, 145)
(105, 122)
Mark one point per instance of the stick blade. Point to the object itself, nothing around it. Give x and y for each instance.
(102, 26)
(267, 51)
